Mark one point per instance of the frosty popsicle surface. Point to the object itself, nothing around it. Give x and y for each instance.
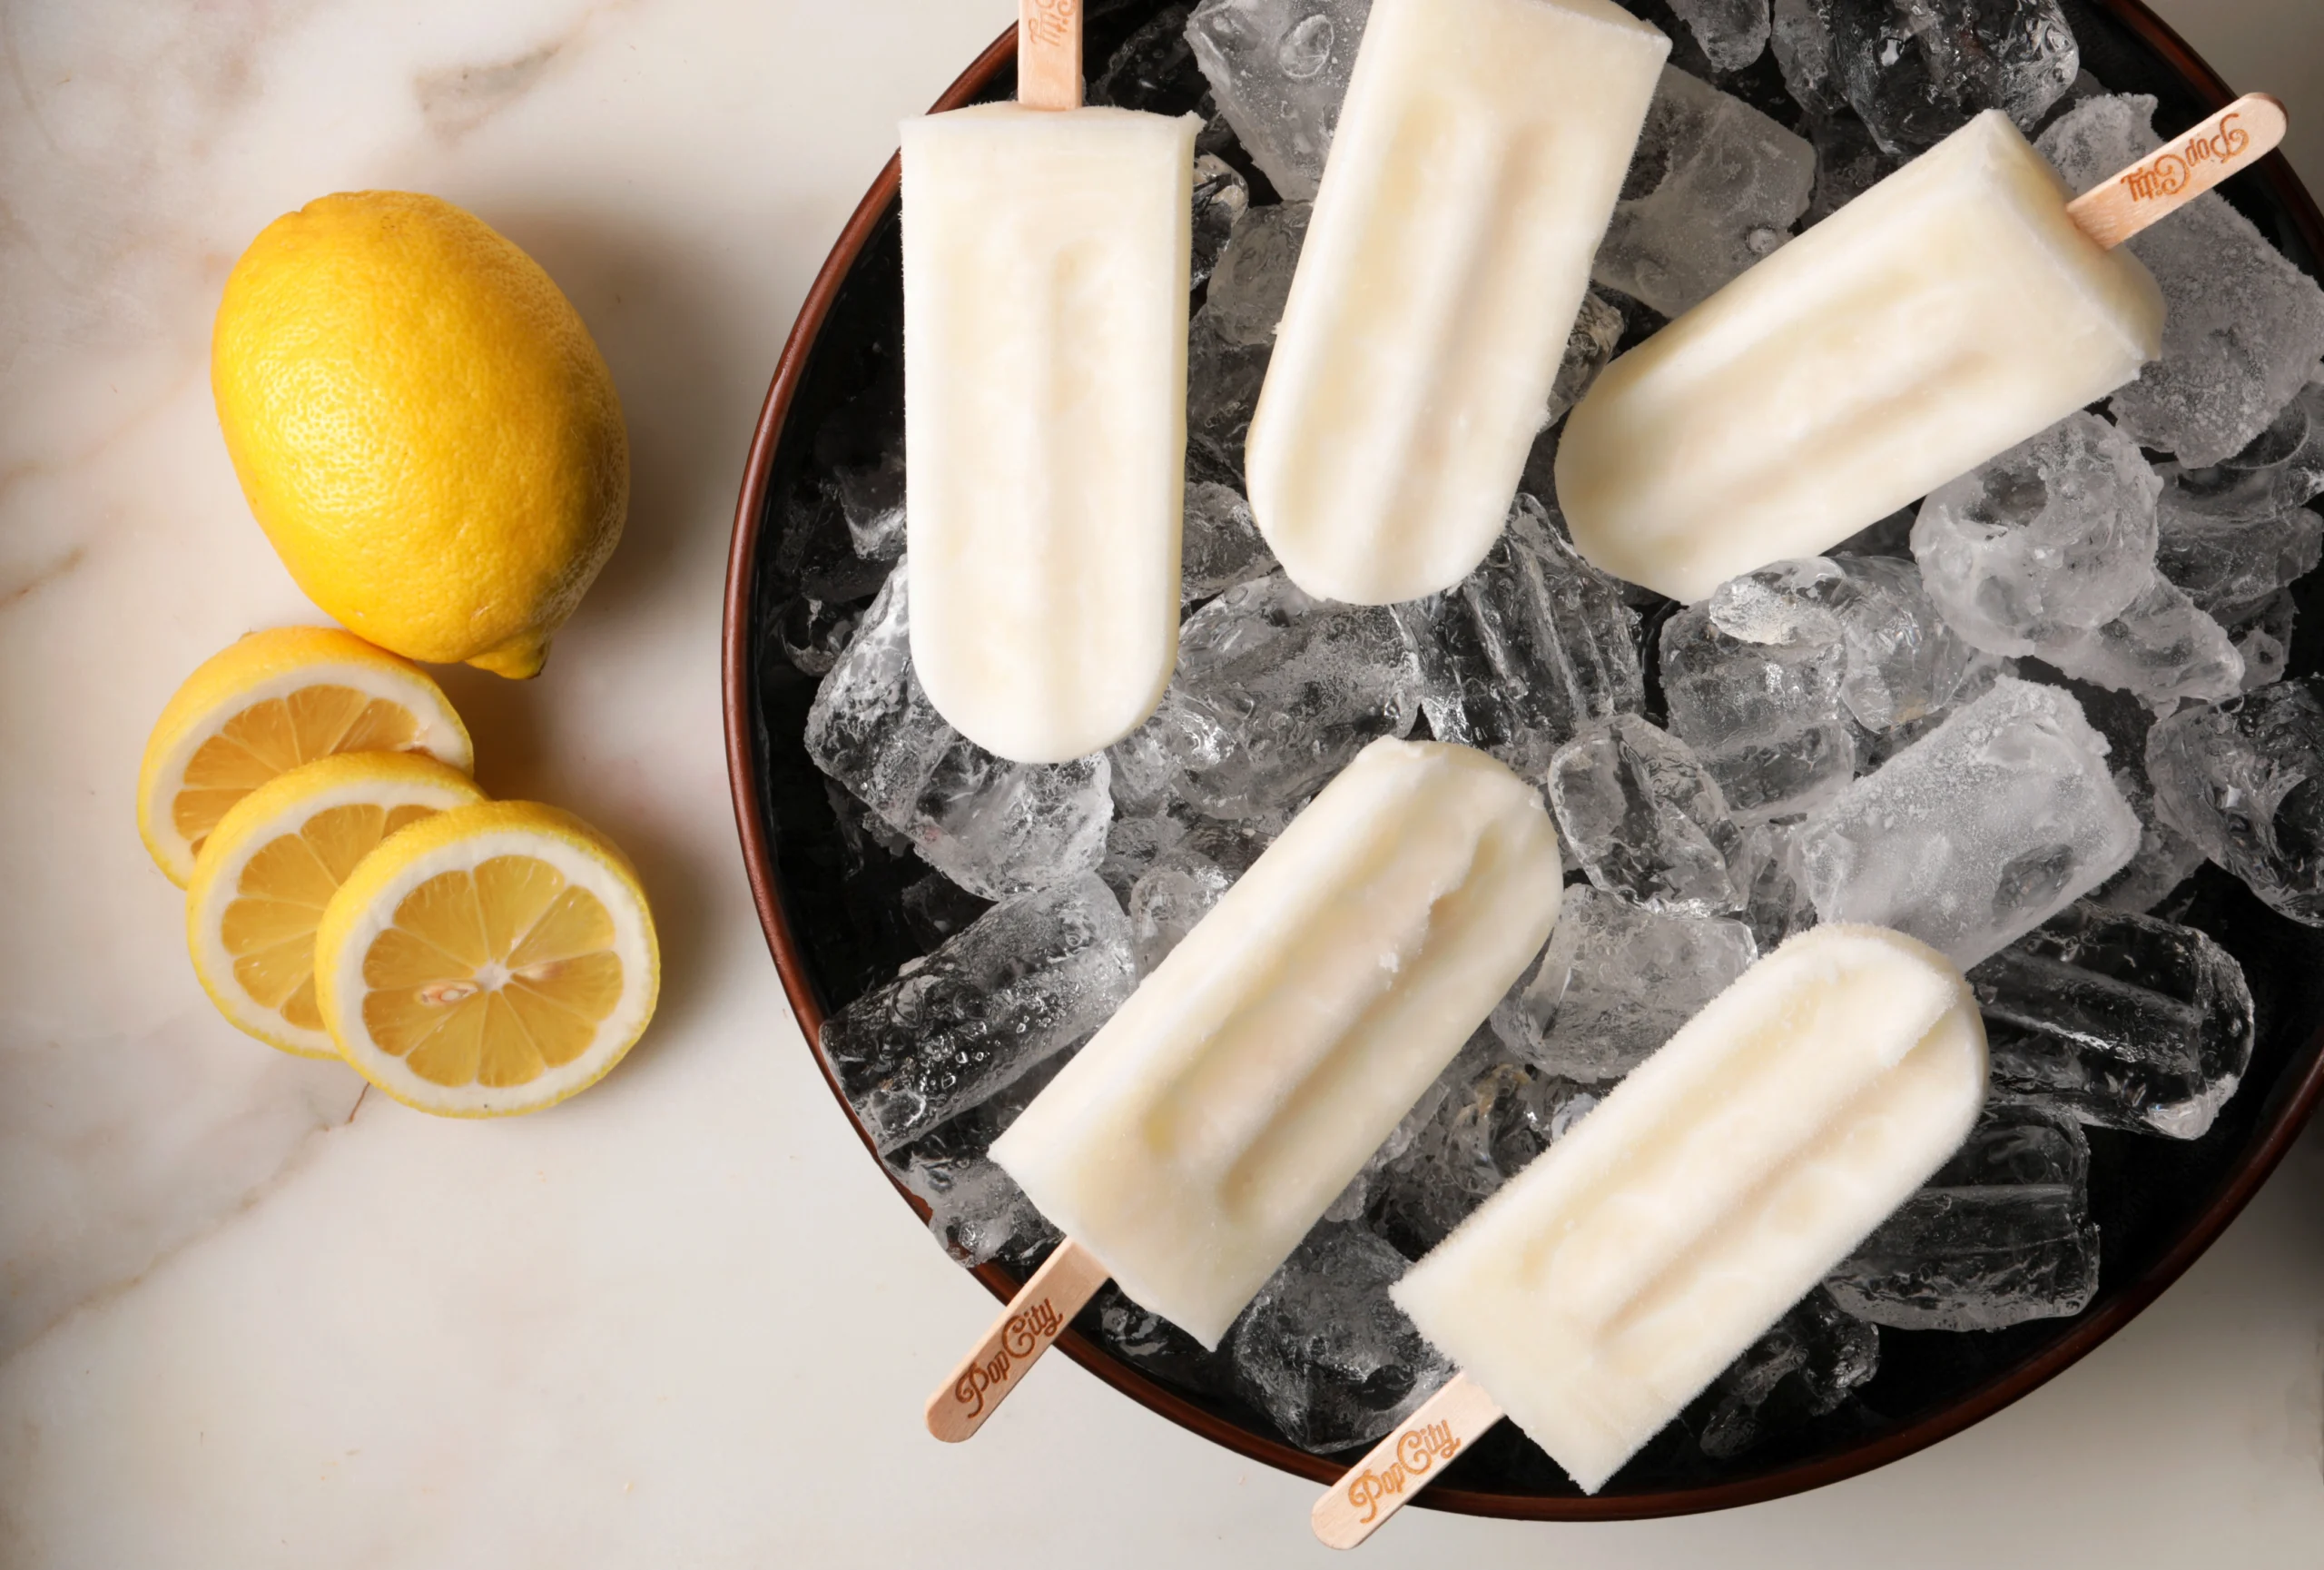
(1950, 311)
(1962, 305)
(1202, 1131)
(1609, 1282)
(1207, 1125)
(1476, 163)
(1046, 250)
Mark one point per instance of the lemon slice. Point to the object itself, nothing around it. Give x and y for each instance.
(270, 702)
(273, 864)
(490, 959)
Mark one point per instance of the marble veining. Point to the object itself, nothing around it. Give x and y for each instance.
(251, 1316)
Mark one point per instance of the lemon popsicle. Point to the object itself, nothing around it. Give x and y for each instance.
(1960, 306)
(1206, 1126)
(1613, 1279)
(1476, 163)
(1046, 251)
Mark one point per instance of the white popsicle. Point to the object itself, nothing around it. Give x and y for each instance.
(1611, 1280)
(1046, 253)
(1198, 1136)
(1476, 163)
(1958, 307)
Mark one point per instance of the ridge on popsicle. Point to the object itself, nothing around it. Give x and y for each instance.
(1961, 305)
(1610, 1282)
(1477, 160)
(1213, 1119)
(1047, 248)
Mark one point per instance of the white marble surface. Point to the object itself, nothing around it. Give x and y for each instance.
(248, 1318)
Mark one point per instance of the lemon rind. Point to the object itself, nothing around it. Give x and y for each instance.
(441, 735)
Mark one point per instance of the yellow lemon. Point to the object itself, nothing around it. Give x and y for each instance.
(268, 869)
(270, 702)
(422, 425)
(489, 960)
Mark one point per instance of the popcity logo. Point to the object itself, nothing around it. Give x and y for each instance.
(1049, 20)
(1417, 1454)
(2166, 173)
(1020, 1337)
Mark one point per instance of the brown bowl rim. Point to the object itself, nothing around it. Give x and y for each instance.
(758, 863)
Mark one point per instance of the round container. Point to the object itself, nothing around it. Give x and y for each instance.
(836, 929)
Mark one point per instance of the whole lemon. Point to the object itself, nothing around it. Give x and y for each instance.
(423, 427)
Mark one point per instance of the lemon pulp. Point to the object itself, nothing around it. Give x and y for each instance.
(492, 976)
(269, 925)
(277, 735)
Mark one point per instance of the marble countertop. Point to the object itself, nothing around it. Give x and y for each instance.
(249, 1317)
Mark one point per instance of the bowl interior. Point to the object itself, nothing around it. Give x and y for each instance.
(832, 901)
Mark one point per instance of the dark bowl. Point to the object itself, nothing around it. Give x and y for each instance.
(834, 919)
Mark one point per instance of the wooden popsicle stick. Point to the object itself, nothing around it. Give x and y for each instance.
(1042, 1308)
(1401, 1465)
(2179, 170)
(1048, 54)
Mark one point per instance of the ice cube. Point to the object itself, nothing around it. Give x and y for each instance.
(1900, 662)
(1362, 1193)
(1645, 819)
(1232, 337)
(937, 909)
(1800, 34)
(1153, 70)
(2244, 780)
(1031, 977)
(2000, 1235)
(1732, 32)
(1615, 981)
(1495, 1116)
(1275, 692)
(872, 499)
(2282, 468)
(1252, 279)
(2165, 859)
(1778, 905)
(1134, 845)
(1713, 186)
(1977, 833)
(1765, 713)
(1325, 1353)
(1160, 1347)
(1589, 347)
(2229, 563)
(1523, 651)
(1280, 69)
(1812, 1359)
(2244, 327)
(1221, 544)
(2264, 639)
(1183, 884)
(2160, 647)
(812, 634)
(2126, 1021)
(996, 828)
(1918, 69)
(1144, 779)
(1221, 198)
(975, 1210)
(2054, 536)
